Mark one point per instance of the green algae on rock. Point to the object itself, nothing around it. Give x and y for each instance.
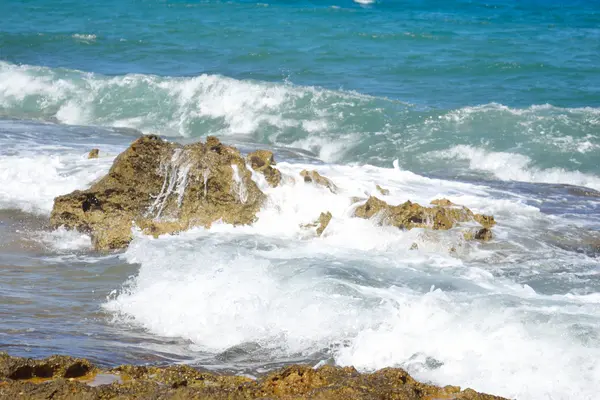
(162, 187)
(184, 382)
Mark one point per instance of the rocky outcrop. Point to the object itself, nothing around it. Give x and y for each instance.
(321, 223)
(410, 215)
(94, 153)
(162, 187)
(184, 382)
(262, 161)
(442, 203)
(381, 190)
(318, 179)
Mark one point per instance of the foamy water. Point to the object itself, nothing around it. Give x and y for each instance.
(492, 106)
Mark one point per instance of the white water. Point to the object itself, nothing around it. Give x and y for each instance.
(516, 167)
(361, 296)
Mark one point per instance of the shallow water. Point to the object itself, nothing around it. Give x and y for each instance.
(494, 106)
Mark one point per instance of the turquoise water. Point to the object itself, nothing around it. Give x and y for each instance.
(492, 104)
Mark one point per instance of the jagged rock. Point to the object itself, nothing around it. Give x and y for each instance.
(316, 178)
(184, 382)
(93, 153)
(442, 203)
(485, 220)
(381, 190)
(414, 246)
(321, 223)
(483, 234)
(411, 215)
(262, 161)
(162, 187)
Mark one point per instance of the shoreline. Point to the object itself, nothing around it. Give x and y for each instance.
(65, 377)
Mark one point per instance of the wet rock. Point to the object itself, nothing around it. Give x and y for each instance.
(162, 187)
(316, 178)
(381, 190)
(292, 382)
(442, 203)
(93, 153)
(411, 215)
(17, 368)
(414, 246)
(483, 234)
(262, 161)
(321, 223)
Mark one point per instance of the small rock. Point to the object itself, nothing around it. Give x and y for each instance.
(484, 234)
(414, 246)
(262, 161)
(323, 220)
(321, 223)
(411, 215)
(381, 190)
(94, 153)
(442, 203)
(316, 178)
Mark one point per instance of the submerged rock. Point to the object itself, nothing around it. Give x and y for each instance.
(442, 203)
(262, 161)
(162, 187)
(93, 153)
(411, 215)
(17, 368)
(381, 190)
(318, 179)
(184, 382)
(321, 223)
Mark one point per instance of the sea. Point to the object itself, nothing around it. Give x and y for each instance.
(492, 104)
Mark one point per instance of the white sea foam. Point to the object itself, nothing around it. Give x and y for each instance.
(63, 240)
(515, 167)
(360, 292)
(31, 180)
(84, 37)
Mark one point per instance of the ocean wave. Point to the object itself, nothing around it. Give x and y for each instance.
(337, 125)
(515, 167)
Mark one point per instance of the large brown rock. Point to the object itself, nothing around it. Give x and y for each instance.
(410, 215)
(184, 382)
(162, 187)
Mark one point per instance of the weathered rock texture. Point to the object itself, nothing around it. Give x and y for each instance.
(162, 187)
(93, 153)
(182, 382)
(262, 161)
(318, 179)
(321, 223)
(411, 215)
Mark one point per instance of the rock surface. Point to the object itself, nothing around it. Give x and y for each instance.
(321, 223)
(411, 215)
(318, 179)
(162, 187)
(183, 382)
(381, 190)
(262, 161)
(93, 153)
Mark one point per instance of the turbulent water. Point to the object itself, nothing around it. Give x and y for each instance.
(494, 105)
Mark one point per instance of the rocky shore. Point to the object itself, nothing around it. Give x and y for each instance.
(62, 378)
(163, 188)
